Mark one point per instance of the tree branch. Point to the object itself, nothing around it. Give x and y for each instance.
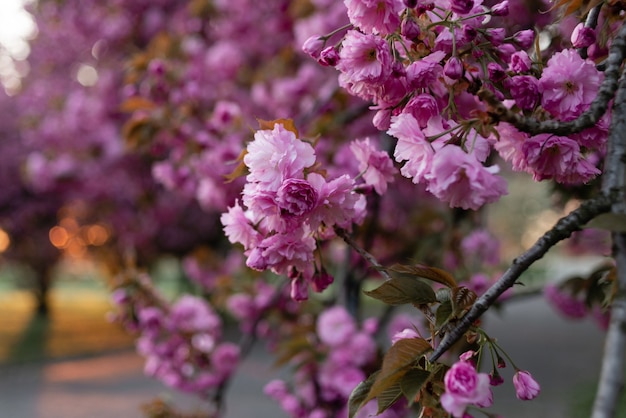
(561, 230)
(612, 374)
(590, 117)
(613, 362)
(370, 258)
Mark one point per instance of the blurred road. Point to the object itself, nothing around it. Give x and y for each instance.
(92, 375)
(563, 356)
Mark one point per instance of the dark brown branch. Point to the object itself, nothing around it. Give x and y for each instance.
(589, 118)
(611, 381)
(561, 230)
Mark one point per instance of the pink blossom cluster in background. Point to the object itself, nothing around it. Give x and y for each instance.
(182, 342)
(422, 67)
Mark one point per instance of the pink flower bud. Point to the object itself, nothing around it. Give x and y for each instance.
(329, 57)
(496, 35)
(467, 356)
(520, 62)
(526, 388)
(495, 379)
(496, 72)
(411, 4)
(583, 36)
(409, 28)
(469, 32)
(462, 7)
(313, 46)
(500, 9)
(382, 119)
(299, 289)
(453, 68)
(321, 280)
(524, 38)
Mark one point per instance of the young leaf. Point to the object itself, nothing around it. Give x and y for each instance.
(288, 124)
(359, 394)
(388, 397)
(239, 171)
(403, 290)
(431, 273)
(444, 311)
(412, 382)
(396, 363)
(463, 298)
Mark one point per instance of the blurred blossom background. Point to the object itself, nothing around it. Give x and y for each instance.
(61, 355)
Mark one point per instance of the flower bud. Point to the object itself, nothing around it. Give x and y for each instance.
(583, 36)
(329, 57)
(520, 62)
(526, 388)
(469, 33)
(411, 4)
(453, 68)
(496, 35)
(501, 9)
(496, 72)
(462, 7)
(299, 289)
(524, 38)
(525, 91)
(313, 46)
(409, 29)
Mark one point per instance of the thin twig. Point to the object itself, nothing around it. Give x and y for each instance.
(370, 258)
(590, 117)
(561, 230)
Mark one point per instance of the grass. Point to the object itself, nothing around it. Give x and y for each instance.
(76, 325)
(582, 402)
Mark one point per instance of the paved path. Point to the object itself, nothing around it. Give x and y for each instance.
(562, 355)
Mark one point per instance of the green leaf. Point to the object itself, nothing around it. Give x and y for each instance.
(403, 290)
(396, 363)
(388, 397)
(359, 394)
(430, 273)
(444, 312)
(412, 382)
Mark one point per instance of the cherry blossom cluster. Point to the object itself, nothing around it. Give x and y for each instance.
(321, 389)
(466, 387)
(422, 64)
(287, 207)
(182, 342)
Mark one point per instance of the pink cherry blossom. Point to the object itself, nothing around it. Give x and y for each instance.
(375, 16)
(275, 155)
(422, 107)
(526, 388)
(376, 166)
(335, 326)
(565, 303)
(568, 84)
(365, 58)
(465, 386)
(237, 227)
(296, 197)
(411, 147)
(461, 180)
(549, 156)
